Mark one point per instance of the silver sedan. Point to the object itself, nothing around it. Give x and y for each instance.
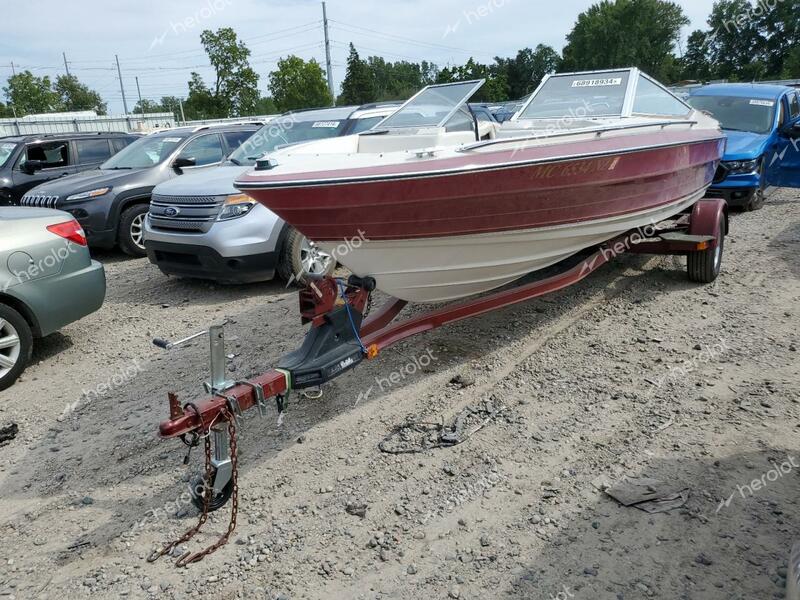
(47, 281)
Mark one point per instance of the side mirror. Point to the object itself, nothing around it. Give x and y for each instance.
(182, 162)
(794, 130)
(29, 167)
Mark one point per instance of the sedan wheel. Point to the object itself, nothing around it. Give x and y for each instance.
(16, 345)
(10, 347)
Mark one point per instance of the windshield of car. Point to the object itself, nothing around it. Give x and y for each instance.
(737, 113)
(288, 130)
(6, 150)
(580, 96)
(433, 106)
(146, 152)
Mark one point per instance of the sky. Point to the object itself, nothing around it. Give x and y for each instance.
(159, 41)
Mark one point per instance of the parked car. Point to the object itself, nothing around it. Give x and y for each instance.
(762, 123)
(110, 202)
(30, 160)
(201, 226)
(47, 281)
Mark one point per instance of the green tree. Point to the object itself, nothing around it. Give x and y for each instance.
(525, 72)
(791, 67)
(780, 27)
(299, 84)
(74, 95)
(358, 86)
(696, 62)
(5, 111)
(494, 90)
(30, 94)
(148, 106)
(737, 47)
(202, 103)
(626, 33)
(400, 80)
(234, 91)
(265, 106)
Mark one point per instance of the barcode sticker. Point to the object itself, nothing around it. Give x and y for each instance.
(611, 81)
(326, 124)
(769, 103)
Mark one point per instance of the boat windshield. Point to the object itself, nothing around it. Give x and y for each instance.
(582, 96)
(432, 107)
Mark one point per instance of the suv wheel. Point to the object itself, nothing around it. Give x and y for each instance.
(759, 196)
(301, 257)
(131, 230)
(16, 345)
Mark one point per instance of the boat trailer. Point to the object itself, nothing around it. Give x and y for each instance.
(340, 338)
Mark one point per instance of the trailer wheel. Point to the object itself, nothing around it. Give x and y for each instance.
(199, 489)
(704, 266)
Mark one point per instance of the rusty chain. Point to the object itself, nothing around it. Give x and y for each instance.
(189, 558)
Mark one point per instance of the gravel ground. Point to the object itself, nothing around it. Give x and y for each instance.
(635, 372)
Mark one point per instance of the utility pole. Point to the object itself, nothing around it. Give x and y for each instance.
(13, 70)
(139, 91)
(66, 64)
(121, 85)
(328, 53)
(183, 116)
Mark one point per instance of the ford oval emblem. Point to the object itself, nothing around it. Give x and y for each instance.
(172, 211)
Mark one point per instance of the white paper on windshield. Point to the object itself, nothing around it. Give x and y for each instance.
(769, 103)
(610, 81)
(326, 124)
(172, 140)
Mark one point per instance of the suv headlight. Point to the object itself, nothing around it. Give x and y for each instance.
(90, 194)
(743, 167)
(236, 205)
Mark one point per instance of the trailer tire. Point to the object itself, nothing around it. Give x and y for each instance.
(704, 266)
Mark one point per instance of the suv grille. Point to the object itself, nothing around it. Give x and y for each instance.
(39, 201)
(184, 213)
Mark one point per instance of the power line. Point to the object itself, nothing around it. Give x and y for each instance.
(383, 35)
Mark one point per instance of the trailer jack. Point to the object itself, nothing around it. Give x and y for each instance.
(340, 338)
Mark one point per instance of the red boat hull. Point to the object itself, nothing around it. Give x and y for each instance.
(484, 192)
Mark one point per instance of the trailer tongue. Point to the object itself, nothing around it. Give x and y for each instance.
(340, 339)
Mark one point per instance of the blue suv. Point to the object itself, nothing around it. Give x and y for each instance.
(762, 123)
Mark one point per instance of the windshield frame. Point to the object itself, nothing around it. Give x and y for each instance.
(184, 136)
(10, 154)
(476, 85)
(628, 102)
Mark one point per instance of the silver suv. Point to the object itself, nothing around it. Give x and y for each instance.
(201, 226)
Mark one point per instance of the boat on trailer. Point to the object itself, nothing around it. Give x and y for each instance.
(456, 218)
(444, 208)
